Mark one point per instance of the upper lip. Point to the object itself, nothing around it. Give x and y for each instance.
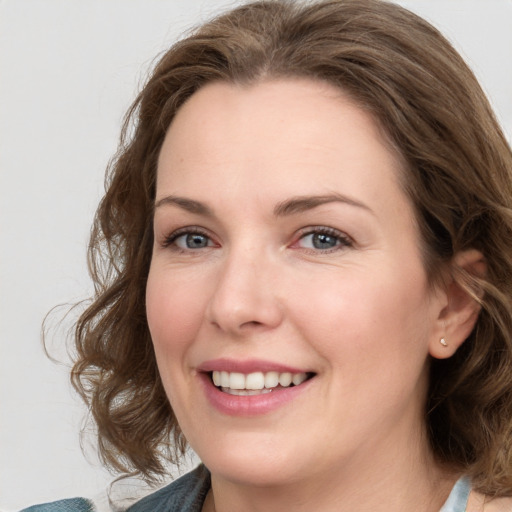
(246, 366)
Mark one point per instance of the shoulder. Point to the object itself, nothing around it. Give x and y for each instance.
(186, 494)
(70, 505)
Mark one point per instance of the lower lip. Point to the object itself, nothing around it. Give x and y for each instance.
(253, 405)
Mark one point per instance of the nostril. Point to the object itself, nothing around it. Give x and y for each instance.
(252, 323)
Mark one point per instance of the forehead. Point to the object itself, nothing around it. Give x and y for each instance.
(293, 133)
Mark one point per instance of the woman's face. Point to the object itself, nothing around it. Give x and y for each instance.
(285, 249)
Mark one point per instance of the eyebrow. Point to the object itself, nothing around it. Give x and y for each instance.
(291, 206)
(303, 203)
(186, 204)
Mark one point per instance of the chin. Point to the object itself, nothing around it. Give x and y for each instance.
(259, 463)
(243, 471)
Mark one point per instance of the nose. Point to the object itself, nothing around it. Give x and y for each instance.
(245, 298)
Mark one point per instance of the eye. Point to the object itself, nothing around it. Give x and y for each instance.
(192, 241)
(188, 239)
(323, 239)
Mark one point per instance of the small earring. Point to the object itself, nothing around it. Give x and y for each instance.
(443, 342)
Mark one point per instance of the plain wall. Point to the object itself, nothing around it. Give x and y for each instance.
(69, 70)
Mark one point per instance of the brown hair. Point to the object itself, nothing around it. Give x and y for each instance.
(458, 175)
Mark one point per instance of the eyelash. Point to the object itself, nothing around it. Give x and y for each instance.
(170, 240)
(343, 241)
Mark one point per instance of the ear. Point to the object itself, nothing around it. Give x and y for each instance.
(458, 316)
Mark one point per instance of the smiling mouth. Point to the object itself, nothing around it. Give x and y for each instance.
(256, 383)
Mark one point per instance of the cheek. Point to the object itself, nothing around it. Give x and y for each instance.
(365, 315)
(373, 340)
(173, 312)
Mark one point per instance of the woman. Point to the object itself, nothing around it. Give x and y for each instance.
(303, 271)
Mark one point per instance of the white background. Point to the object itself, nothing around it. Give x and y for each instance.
(68, 72)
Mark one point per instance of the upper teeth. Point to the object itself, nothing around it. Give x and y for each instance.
(257, 380)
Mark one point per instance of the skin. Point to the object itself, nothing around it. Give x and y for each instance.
(360, 315)
(480, 503)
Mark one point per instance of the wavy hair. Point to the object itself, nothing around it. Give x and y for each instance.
(458, 175)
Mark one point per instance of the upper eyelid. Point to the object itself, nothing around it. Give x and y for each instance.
(189, 229)
(185, 230)
(324, 229)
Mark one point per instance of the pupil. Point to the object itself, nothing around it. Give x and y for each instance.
(323, 241)
(196, 241)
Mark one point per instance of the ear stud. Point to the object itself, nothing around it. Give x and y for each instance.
(443, 342)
